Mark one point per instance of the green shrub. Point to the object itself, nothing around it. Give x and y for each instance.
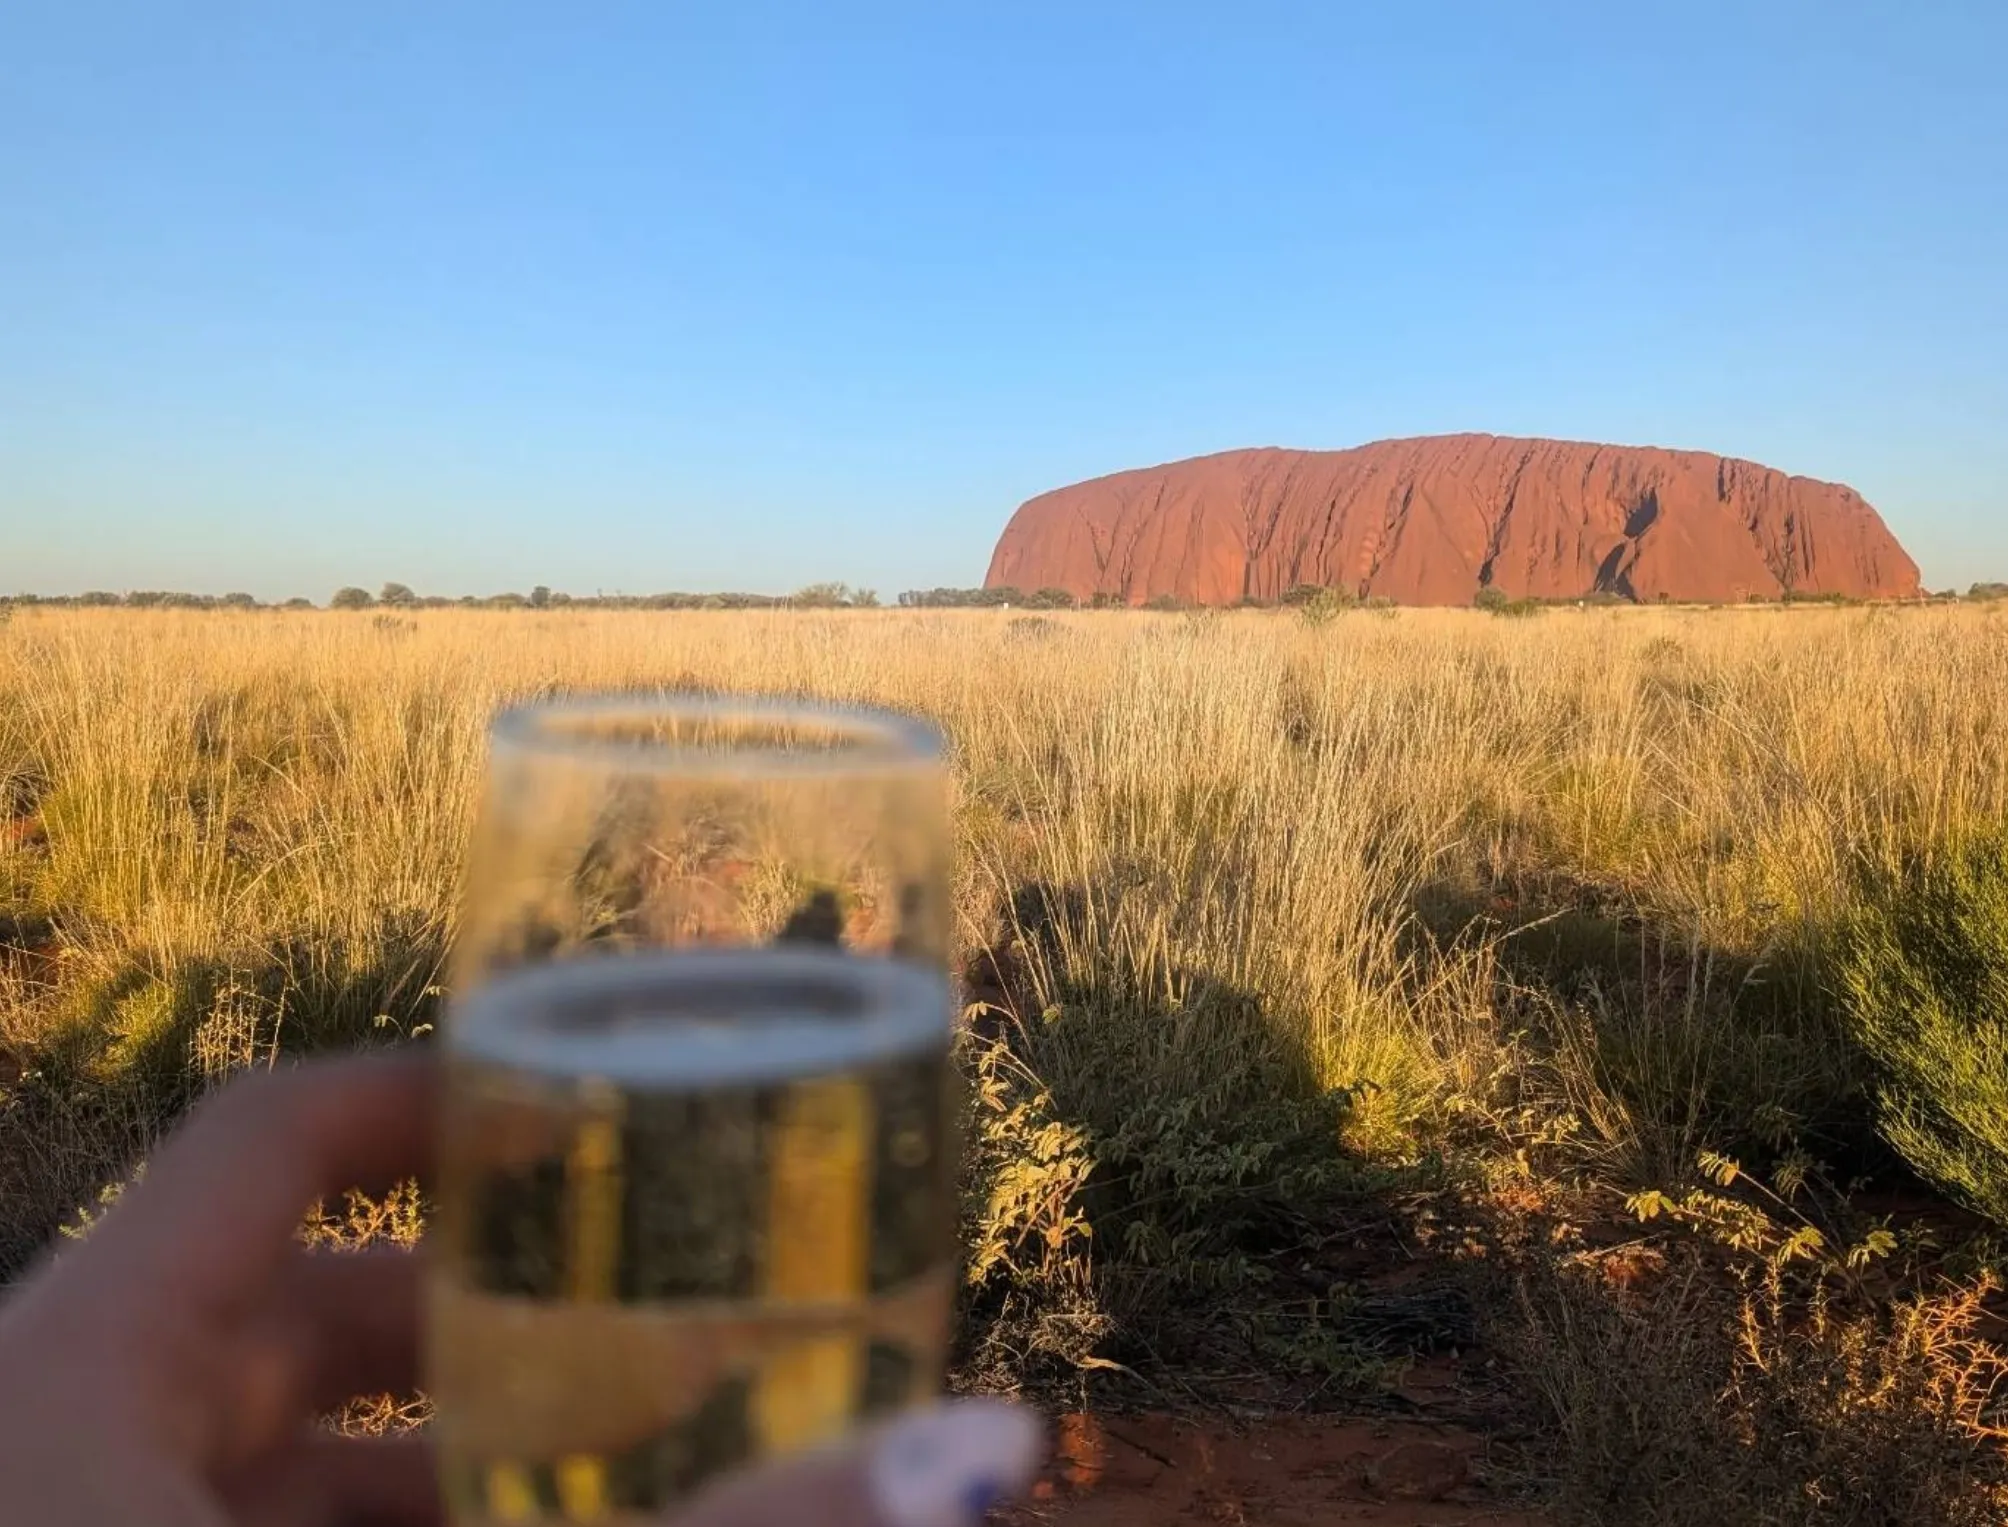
(1494, 601)
(1327, 605)
(1924, 976)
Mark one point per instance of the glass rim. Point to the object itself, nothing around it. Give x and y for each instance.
(891, 741)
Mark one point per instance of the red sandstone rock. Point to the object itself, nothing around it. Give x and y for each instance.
(1433, 520)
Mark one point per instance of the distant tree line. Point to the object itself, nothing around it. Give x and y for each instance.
(998, 599)
(398, 596)
(1316, 601)
(401, 596)
(139, 599)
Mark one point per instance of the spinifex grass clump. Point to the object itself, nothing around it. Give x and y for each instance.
(1925, 972)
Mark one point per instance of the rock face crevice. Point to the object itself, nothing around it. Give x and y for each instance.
(1433, 520)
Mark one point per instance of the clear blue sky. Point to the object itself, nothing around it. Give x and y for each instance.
(667, 295)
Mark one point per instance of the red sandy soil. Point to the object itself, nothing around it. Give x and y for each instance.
(1432, 520)
(1281, 1471)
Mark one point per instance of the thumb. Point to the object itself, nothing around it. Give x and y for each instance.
(943, 1467)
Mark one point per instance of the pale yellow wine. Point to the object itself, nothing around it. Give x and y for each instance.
(696, 1210)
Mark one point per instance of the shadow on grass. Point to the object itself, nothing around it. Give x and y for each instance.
(1164, 1213)
(118, 1056)
(1664, 1045)
(1161, 1200)
(1670, 1372)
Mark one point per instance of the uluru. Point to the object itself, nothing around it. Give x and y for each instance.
(1433, 520)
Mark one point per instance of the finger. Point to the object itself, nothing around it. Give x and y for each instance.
(944, 1467)
(328, 1481)
(219, 1205)
(356, 1317)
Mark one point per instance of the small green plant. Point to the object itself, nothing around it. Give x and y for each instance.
(1761, 1220)
(1496, 601)
(88, 1216)
(1924, 976)
(1326, 606)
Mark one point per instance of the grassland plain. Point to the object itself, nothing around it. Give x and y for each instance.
(1541, 1002)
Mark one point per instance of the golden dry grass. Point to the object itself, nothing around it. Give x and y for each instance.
(262, 815)
(201, 786)
(1555, 894)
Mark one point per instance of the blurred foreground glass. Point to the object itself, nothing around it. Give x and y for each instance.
(696, 1190)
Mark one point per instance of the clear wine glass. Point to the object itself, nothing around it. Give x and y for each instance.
(696, 1203)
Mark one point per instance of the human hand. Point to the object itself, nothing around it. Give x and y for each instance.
(173, 1368)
